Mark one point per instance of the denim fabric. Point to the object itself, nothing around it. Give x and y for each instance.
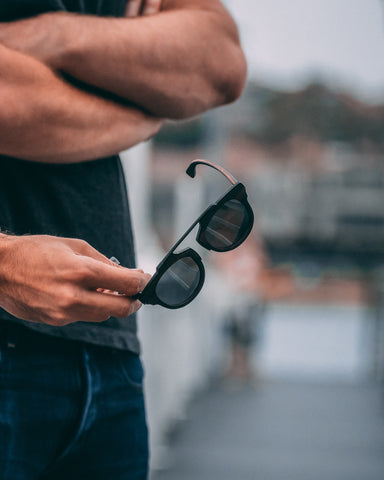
(69, 410)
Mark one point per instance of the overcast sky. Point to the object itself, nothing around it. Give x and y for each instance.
(289, 41)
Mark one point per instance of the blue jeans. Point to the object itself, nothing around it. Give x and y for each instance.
(69, 410)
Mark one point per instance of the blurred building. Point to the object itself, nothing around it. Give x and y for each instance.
(312, 165)
(312, 161)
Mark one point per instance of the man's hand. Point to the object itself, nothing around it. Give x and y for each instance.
(58, 281)
(142, 7)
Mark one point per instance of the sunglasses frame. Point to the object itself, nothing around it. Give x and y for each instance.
(149, 297)
(236, 192)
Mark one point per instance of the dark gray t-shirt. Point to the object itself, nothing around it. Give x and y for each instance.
(85, 200)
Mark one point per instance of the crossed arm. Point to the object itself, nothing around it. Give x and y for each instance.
(43, 118)
(175, 64)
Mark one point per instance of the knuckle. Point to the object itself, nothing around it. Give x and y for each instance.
(126, 310)
(132, 286)
(80, 273)
(142, 282)
(67, 299)
(72, 241)
(136, 305)
(81, 243)
(136, 283)
(123, 312)
(74, 271)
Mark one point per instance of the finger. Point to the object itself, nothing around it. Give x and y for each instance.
(98, 307)
(116, 306)
(151, 7)
(133, 8)
(108, 277)
(81, 247)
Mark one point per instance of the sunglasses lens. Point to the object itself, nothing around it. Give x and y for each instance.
(227, 225)
(179, 282)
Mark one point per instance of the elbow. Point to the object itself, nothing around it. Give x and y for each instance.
(225, 62)
(222, 85)
(231, 77)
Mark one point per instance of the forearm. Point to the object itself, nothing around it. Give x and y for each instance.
(43, 118)
(175, 64)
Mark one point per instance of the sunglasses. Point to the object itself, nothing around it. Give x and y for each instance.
(223, 226)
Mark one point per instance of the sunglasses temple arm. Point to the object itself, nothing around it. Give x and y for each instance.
(191, 170)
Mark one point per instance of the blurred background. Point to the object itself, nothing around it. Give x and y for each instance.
(276, 370)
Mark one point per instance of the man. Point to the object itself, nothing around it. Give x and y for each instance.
(80, 81)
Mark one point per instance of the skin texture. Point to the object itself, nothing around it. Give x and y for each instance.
(59, 123)
(175, 64)
(142, 7)
(57, 281)
(165, 59)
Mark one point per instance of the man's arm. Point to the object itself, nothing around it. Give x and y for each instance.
(43, 118)
(58, 281)
(177, 63)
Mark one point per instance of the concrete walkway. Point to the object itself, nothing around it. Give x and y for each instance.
(281, 431)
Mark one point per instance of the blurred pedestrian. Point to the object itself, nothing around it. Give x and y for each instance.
(244, 327)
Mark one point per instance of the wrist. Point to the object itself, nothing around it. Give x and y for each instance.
(6, 242)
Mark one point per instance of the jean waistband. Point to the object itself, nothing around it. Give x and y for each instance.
(14, 335)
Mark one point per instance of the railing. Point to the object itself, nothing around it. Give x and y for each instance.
(182, 348)
(378, 305)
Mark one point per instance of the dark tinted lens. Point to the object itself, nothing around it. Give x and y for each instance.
(178, 282)
(227, 225)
